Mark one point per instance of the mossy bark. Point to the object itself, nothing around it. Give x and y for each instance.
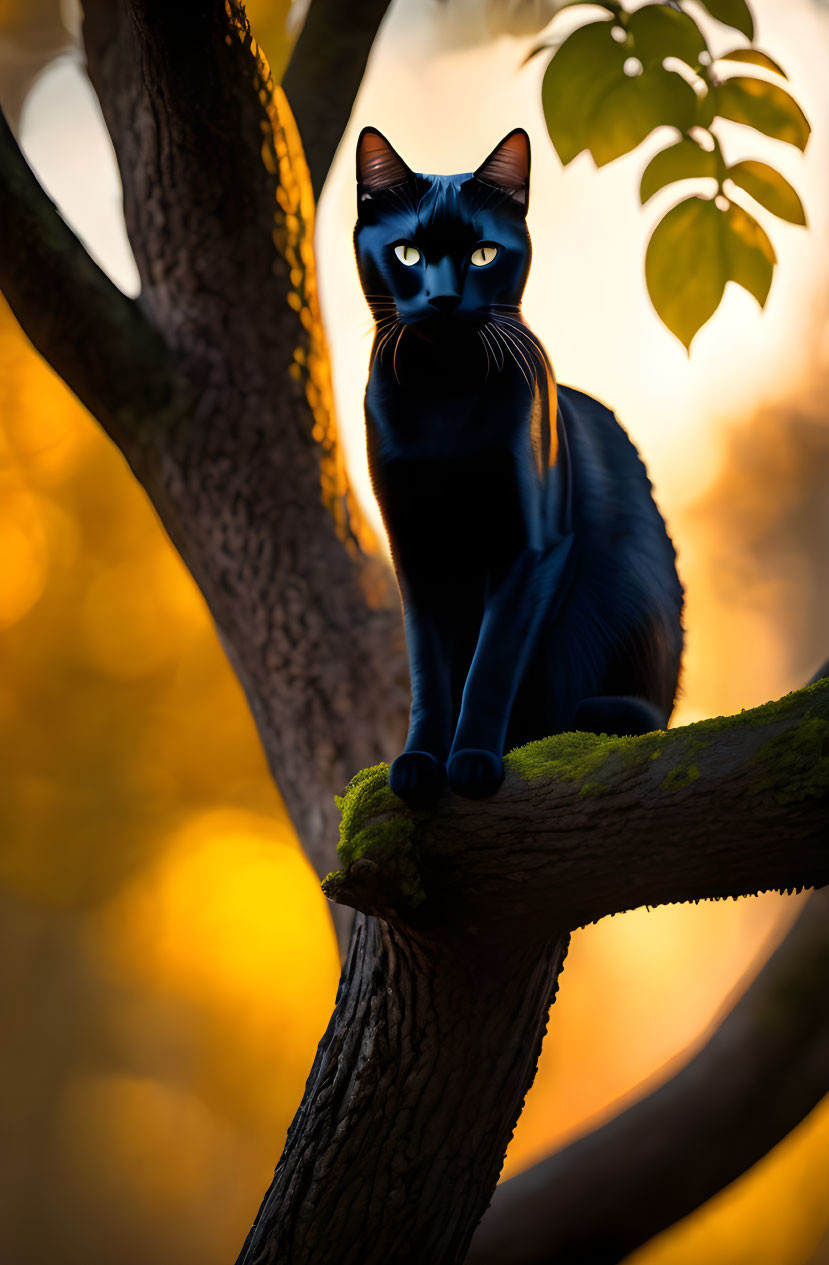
(585, 826)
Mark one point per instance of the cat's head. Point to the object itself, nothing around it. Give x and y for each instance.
(447, 251)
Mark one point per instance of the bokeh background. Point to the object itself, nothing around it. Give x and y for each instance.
(166, 959)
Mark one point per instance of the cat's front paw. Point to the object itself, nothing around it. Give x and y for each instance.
(418, 778)
(475, 774)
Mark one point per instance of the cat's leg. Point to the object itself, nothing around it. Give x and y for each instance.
(516, 607)
(418, 775)
(621, 716)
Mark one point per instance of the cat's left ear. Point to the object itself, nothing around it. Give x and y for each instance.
(508, 167)
(379, 166)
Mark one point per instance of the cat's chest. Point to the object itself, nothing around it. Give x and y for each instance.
(419, 426)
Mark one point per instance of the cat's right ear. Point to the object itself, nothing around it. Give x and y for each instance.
(379, 166)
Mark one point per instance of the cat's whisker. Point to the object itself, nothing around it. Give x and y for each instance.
(495, 349)
(525, 336)
(524, 330)
(533, 345)
(508, 347)
(529, 374)
(384, 341)
(394, 355)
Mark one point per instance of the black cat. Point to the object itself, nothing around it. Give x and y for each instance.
(538, 581)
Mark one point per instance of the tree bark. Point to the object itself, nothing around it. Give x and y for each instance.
(215, 385)
(215, 382)
(450, 980)
(585, 826)
(414, 1093)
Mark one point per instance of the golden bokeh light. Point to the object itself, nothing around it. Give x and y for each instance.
(167, 963)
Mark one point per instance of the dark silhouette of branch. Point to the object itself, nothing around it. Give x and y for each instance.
(324, 73)
(95, 337)
(764, 1068)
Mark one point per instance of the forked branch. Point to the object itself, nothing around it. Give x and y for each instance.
(95, 337)
(324, 73)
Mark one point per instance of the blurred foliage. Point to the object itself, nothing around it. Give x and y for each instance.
(614, 81)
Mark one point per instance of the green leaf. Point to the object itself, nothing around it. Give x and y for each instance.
(734, 13)
(749, 253)
(631, 109)
(768, 188)
(585, 66)
(684, 161)
(610, 5)
(706, 108)
(764, 106)
(659, 32)
(685, 267)
(755, 58)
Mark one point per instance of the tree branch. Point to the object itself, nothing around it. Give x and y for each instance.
(587, 826)
(95, 337)
(765, 1067)
(250, 484)
(325, 72)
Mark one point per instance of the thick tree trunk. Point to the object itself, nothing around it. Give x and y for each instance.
(246, 475)
(414, 1093)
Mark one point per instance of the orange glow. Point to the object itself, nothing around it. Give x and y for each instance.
(168, 964)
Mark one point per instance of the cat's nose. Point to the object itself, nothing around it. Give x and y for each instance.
(445, 303)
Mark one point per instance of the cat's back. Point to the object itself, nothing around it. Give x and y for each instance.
(613, 508)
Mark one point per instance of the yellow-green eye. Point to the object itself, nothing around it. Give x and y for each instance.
(407, 254)
(483, 255)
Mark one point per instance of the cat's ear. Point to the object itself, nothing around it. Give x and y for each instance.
(379, 166)
(508, 167)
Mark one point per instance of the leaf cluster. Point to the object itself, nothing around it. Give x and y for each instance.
(616, 79)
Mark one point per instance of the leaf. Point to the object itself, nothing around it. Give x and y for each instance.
(706, 108)
(612, 6)
(750, 255)
(755, 58)
(684, 161)
(631, 109)
(685, 267)
(734, 13)
(585, 66)
(768, 188)
(764, 106)
(659, 32)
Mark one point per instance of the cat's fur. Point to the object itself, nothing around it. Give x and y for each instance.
(538, 582)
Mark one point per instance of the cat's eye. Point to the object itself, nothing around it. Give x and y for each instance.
(407, 254)
(483, 255)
